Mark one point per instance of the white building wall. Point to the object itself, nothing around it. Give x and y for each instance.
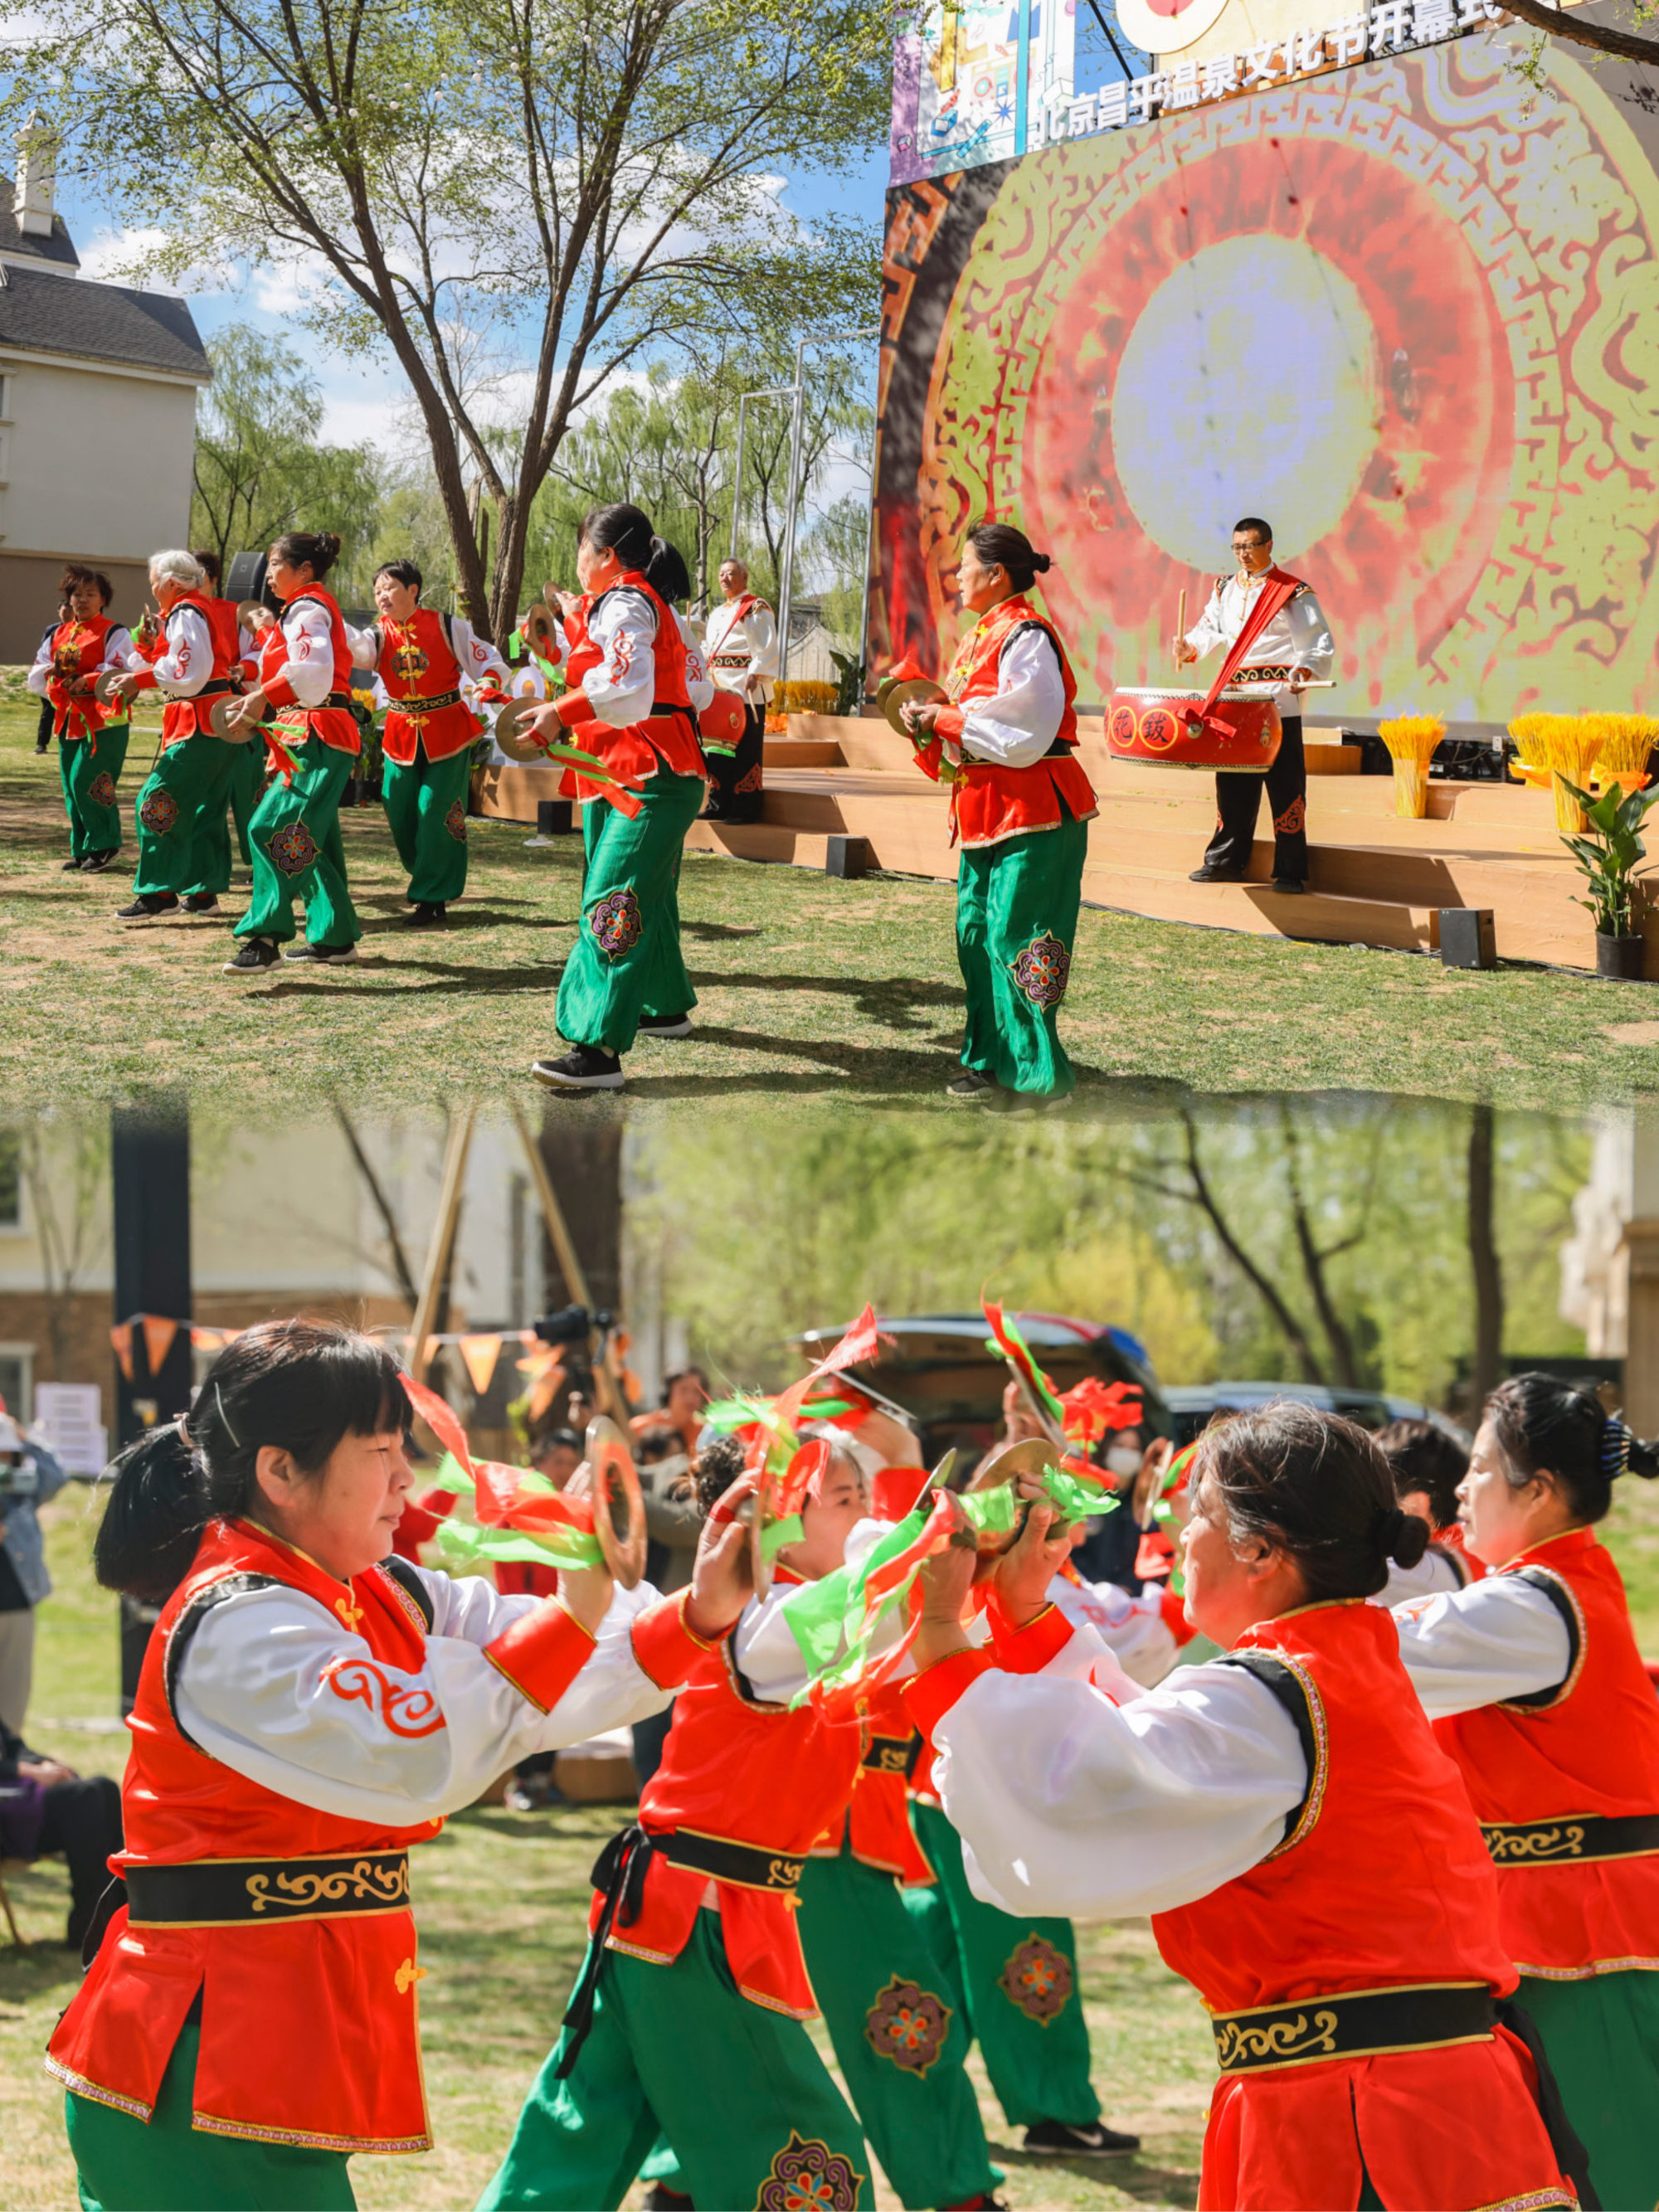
(93, 461)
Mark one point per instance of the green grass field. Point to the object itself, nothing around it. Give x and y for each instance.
(808, 988)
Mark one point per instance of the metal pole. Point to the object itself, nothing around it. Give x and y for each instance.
(786, 588)
(864, 593)
(773, 392)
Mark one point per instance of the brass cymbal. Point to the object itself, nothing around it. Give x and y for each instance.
(619, 1501)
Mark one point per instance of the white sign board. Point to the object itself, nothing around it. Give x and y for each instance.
(66, 1420)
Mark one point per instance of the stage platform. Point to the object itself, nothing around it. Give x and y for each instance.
(1375, 880)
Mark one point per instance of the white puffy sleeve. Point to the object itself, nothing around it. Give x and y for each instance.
(274, 1687)
(479, 659)
(761, 635)
(308, 674)
(187, 661)
(1132, 1629)
(1499, 1639)
(117, 646)
(1310, 634)
(1434, 1572)
(1069, 1803)
(699, 684)
(40, 668)
(365, 645)
(1210, 629)
(765, 1649)
(624, 625)
(1017, 725)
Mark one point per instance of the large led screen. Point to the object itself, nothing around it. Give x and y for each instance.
(1408, 310)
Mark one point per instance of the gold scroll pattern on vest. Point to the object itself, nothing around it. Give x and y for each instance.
(1255, 2042)
(374, 1884)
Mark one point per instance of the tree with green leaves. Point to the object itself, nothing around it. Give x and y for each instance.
(513, 201)
(259, 469)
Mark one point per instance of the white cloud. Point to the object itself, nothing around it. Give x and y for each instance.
(116, 257)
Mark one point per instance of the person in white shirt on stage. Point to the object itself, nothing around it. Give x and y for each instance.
(1293, 650)
(740, 641)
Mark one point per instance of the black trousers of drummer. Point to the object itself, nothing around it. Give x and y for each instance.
(1238, 801)
(735, 789)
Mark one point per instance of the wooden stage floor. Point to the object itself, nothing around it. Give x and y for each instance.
(1375, 880)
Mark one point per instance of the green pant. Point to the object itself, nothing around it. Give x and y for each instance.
(247, 783)
(125, 2166)
(91, 769)
(626, 960)
(1017, 1981)
(1016, 907)
(901, 2044)
(739, 2092)
(426, 805)
(1601, 2037)
(298, 852)
(178, 808)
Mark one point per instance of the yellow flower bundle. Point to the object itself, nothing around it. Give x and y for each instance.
(1627, 743)
(1554, 746)
(804, 696)
(1412, 740)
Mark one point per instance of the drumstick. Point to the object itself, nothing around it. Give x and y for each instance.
(1181, 625)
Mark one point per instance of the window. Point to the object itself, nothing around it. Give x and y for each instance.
(16, 1377)
(11, 1180)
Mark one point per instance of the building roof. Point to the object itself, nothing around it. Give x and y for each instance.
(41, 314)
(58, 249)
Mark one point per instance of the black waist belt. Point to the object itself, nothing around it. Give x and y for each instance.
(752, 1866)
(426, 706)
(1351, 2026)
(893, 1754)
(266, 1892)
(667, 706)
(1576, 1837)
(215, 688)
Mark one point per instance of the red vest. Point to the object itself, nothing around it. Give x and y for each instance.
(418, 662)
(77, 649)
(336, 726)
(990, 803)
(188, 717)
(1590, 1746)
(746, 1772)
(225, 629)
(875, 1826)
(667, 740)
(1382, 1882)
(309, 2032)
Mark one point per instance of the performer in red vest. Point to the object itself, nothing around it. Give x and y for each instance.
(1020, 803)
(428, 664)
(630, 705)
(185, 797)
(91, 740)
(1428, 1463)
(1309, 1858)
(740, 644)
(311, 1706)
(248, 762)
(305, 673)
(1535, 1687)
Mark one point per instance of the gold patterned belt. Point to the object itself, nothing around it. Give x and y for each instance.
(1355, 2024)
(266, 1892)
(1574, 1837)
(425, 706)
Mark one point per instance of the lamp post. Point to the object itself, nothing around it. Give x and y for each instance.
(774, 391)
(786, 589)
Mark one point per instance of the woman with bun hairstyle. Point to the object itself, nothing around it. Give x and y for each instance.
(1533, 1683)
(1282, 1810)
(630, 705)
(305, 674)
(310, 1707)
(1005, 742)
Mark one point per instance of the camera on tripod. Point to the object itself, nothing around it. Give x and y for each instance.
(573, 1325)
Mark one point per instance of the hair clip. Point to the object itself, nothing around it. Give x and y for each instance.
(225, 1417)
(1616, 1441)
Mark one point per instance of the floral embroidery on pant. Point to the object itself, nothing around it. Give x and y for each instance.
(807, 2176)
(1043, 970)
(101, 790)
(909, 2025)
(455, 822)
(1292, 819)
(1037, 1978)
(293, 850)
(618, 924)
(158, 812)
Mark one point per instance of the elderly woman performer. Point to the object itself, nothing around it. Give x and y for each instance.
(1307, 1852)
(187, 790)
(1004, 739)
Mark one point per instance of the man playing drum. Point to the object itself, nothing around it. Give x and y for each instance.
(1293, 650)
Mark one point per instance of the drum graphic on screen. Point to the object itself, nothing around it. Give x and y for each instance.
(1163, 728)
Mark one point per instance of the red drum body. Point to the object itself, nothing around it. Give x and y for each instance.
(723, 720)
(1164, 729)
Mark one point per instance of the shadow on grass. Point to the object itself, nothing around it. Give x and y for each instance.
(1134, 2177)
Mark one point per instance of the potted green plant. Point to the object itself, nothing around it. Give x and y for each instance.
(1609, 850)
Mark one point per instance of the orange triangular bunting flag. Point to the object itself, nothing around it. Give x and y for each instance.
(158, 1341)
(121, 1337)
(480, 1353)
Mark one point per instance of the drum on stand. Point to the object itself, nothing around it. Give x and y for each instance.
(1163, 728)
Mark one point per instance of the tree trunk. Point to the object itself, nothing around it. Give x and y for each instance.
(1486, 1366)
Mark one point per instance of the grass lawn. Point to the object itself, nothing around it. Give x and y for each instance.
(502, 1899)
(807, 987)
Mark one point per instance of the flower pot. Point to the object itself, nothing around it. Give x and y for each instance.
(1619, 955)
(1411, 789)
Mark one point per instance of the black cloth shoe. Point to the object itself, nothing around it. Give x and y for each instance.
(95, 863)
(254, 956)
(69, 866)
(664, 1025)
(320, 956)
(1291, 886)
(202, 903)
(659, 2197)
(426, 914)
(147, 905)
(1062, 2140)
(1209, 875)
(970, 1084)
(582, 1068)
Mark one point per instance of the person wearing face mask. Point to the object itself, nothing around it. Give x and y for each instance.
(1004, 739)
(1306, 1850)
(427, 662)
(1535, 1687)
